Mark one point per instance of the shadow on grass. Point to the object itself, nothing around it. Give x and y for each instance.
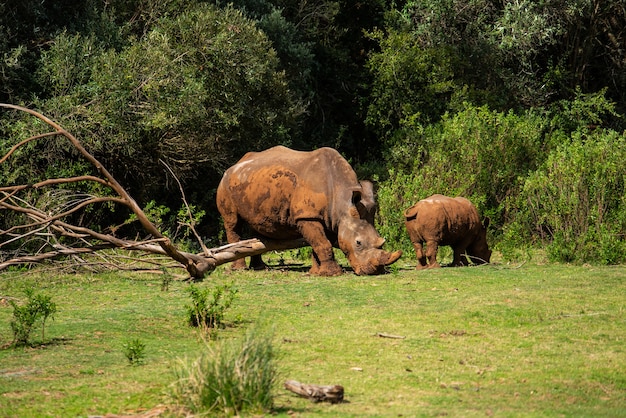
(303, 268)
(38, 344)
(297, 411)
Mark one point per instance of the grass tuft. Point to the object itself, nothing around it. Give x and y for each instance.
(230, 377)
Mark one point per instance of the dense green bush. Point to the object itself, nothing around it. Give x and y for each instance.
(411, 83)
(511, 54)
(197, 91)
(576, 201)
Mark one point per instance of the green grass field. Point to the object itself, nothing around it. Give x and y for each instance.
(497, 340)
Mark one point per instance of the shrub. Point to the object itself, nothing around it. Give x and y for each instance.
(38, 308)
(230, 377)
(199, 88)
(411, 82)
(576, 201)
(208, 306)
(134, 350)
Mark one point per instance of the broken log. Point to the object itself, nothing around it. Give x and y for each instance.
(385, 335)
(316, 393)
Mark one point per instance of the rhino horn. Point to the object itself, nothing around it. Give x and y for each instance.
(387, 258)
(376, 262)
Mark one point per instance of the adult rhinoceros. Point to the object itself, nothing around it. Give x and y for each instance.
(283, 194)
(442, 220)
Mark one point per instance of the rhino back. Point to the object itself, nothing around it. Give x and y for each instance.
(272, 189)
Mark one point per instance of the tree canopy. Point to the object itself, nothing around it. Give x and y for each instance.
(472, 97)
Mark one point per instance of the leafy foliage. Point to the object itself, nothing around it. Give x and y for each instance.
(209, 305)
(576, 199)
(412, 85)
(477, 153)
(460, 96)
(134, 351)
(37, 309)
(198, 90)
(524, 52)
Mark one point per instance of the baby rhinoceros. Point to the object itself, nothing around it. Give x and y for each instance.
(441, 220)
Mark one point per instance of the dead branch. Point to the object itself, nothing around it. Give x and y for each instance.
(48, 223)
(396, 337)
(191, 220)
(316, 393)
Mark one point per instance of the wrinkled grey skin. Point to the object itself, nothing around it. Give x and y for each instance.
(283, 194)
(441, 220)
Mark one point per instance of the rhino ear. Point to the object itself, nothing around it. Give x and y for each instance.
(366, 201)
(356, 196)
(368, 194)
(356, 209)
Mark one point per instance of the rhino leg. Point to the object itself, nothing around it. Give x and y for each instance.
(328, 268)
(323, 259)
(460, 250)
(459, 256)
(421, 256)
(431, 254)
(257, 263)
(233, 228)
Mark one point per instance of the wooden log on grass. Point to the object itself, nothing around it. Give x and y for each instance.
(385, 335)
(316, 393)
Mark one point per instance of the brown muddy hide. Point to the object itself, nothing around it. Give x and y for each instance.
(441, 220)
(284, 194)
(360, 242)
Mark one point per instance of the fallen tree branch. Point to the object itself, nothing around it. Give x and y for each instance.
(316, 393)
(191, 224)
(48, 224)
(397, 337)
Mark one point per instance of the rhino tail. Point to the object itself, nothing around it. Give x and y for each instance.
(410, 213)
